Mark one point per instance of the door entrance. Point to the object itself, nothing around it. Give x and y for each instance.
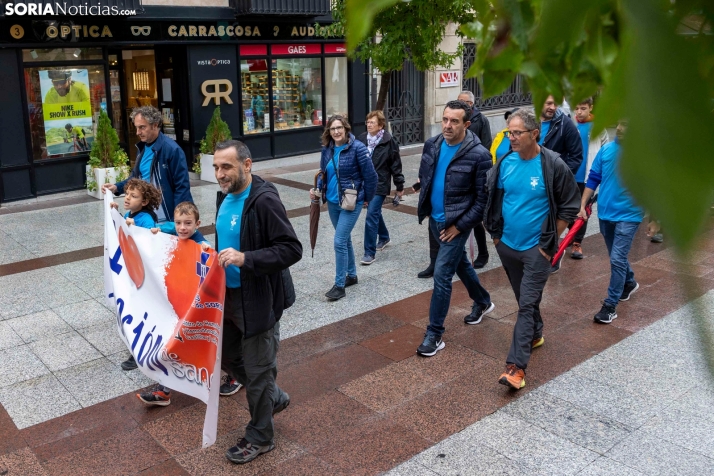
(405, 105)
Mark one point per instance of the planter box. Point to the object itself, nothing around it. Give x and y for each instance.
(207, 173)
(102, 176)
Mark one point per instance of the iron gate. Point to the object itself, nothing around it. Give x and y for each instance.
(515, 95)
(405, 105)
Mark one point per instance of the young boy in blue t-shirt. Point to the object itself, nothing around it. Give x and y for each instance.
(140, 200)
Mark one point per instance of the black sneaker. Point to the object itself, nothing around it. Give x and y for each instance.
(243, 451)
(158, 396)
(430, 346)
(383, 244)
(350, 281)
(282, 405)
(480, 261)
(606, 315)
(229, 386)
(335, 293)
(129, 364)
(629, 290)
(477, 313)
(427, 273)
(556, 267)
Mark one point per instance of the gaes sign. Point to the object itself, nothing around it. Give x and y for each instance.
(449, 79)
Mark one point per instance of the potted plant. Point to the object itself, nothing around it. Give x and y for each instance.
(108, 163)
(195, 172)
(217, 131)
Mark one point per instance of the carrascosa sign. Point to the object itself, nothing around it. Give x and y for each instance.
(168, 295)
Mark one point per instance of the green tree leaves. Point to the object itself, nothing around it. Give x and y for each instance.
(632, 52)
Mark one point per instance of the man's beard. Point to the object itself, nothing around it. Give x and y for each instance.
(238, 183)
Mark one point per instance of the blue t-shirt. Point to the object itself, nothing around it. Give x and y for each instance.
(544, 128)
(228, 229)
(142, 219)
(525, 201)
(333, 189)
(145, 165)
(584, 129)
(614, 202)
(438, 183)
(503, 147)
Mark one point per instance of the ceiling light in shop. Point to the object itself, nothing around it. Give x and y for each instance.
(77, 52)
(141, 81)
(34, 54)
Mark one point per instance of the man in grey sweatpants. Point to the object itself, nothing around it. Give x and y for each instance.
(532, 198)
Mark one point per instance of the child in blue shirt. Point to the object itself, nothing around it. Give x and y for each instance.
(185, 226)
(140, 201)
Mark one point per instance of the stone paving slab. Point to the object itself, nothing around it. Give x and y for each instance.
(644, 424)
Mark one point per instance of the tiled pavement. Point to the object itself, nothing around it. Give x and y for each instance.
(363, 403)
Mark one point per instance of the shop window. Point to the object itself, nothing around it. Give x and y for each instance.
(64, 104)
(297, 93)
(61, 54)
(141, 90)
(115, 95)
(336, 87)
(254, 90)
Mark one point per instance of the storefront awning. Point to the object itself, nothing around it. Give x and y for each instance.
(282, 7)
(80, 9)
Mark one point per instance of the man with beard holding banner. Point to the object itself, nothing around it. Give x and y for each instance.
(256, 245)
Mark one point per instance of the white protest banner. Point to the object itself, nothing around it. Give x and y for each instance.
(168, 296)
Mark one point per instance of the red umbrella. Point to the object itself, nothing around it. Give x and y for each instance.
(315, 215)
(577, 225)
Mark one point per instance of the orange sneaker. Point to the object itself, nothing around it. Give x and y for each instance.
(514, 377)
(537, 342)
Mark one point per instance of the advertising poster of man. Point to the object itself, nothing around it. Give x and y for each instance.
(67, 110)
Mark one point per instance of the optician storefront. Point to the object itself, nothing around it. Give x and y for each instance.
(276, 81)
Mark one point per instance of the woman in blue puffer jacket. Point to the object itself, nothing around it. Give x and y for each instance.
(345, 164)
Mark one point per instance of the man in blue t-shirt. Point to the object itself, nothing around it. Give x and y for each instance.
(256, 244)
(534, 197)
(619, 219)
(452, 174)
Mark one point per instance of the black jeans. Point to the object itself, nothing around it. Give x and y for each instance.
(528, 272)
(581, 232)
(253, 362)
(480, 235)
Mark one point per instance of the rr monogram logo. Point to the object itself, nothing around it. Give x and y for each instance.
(141, 30)
(217, 93)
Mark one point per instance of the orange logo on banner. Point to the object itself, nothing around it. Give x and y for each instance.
(195, 286)
(132, 258)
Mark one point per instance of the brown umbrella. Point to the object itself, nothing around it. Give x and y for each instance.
(315, 214)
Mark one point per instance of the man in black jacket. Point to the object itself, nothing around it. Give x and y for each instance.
(256, 245)
(532, 198)
(482, 128)
(559, 134)
(452, 174)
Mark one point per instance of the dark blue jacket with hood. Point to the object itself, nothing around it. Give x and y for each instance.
(563, 138)
(169, 173)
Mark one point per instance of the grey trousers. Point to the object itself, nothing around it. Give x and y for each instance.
(253, 363)
(528, 272)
